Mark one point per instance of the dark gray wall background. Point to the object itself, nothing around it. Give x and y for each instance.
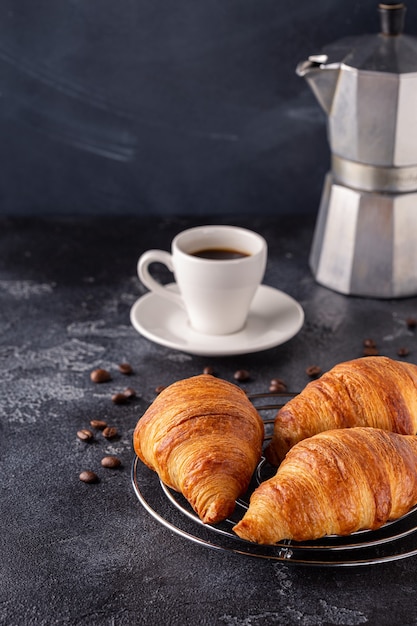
(155, 107)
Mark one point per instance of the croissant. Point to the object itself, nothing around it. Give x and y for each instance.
(204, 439)
(370, 391)
(336, 482)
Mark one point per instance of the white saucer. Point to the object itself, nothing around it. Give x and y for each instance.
(273, 319)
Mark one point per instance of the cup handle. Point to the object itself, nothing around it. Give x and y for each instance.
(157, 256)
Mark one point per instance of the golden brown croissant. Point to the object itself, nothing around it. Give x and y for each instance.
(336, 482)
(370, 391)
(204, 439)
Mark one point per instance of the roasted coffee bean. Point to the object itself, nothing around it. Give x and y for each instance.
(87, 476)
(208, 370)
(110, 432)
(369, 343)
(125, 368)
(100, 376)
(99, 424)
(370, 351)
(313, 371)
(411, 323)
(241, 375)
(403, 351)
(119, 398)
(277, 386)
(111, 462)
(85, 434)
(129, 393)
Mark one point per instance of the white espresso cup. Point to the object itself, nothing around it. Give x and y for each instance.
(217, 270)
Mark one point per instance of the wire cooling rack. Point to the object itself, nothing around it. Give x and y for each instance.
(396, 540)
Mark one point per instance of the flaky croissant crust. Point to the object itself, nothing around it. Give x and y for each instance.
(371, 391)
(336, 482)
(204, 439)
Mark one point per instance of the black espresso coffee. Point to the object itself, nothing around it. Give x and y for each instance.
(219, 254)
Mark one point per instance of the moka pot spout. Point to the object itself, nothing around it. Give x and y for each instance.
(322, 78)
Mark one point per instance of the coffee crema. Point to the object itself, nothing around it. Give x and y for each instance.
(219, 254)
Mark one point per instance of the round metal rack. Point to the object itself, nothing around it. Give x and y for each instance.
(394, 541)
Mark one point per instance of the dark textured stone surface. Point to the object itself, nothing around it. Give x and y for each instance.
(80, 554)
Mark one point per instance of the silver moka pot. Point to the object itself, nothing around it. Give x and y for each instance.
(365, 240)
